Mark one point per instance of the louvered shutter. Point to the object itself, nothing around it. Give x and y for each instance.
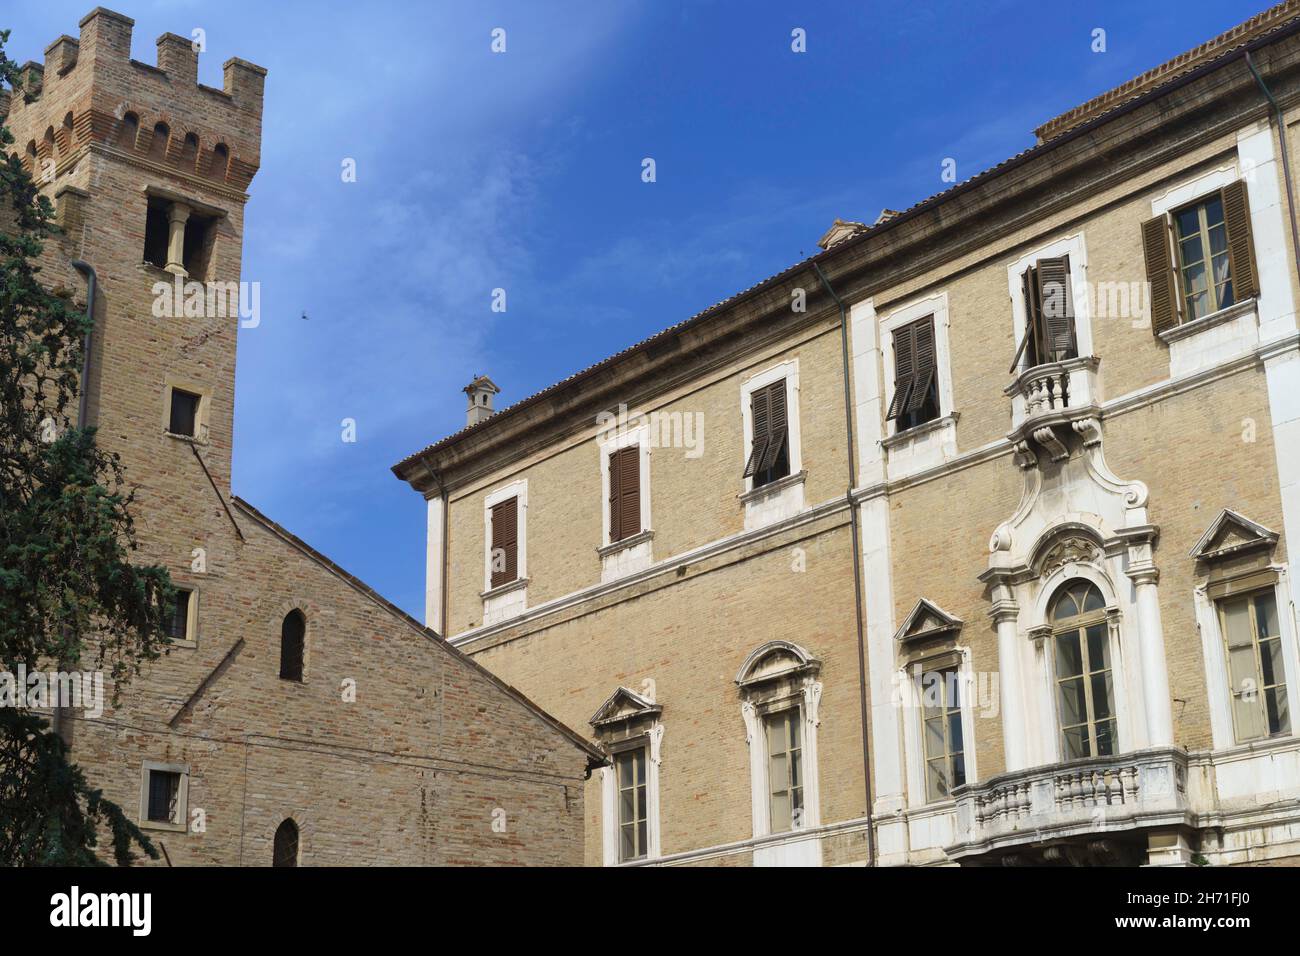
(1030, 333)
(1056, 304)
(923, 338)
(505, 541)
(1246, 687)
(615, 497)
(777, 426)
(1241, 246)
(624, 493)
(761, 416)
(1160, 274)
(904, 369)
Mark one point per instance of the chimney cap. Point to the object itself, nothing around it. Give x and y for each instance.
(482, 383)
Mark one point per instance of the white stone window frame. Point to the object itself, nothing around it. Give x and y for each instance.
(1076, 248)
(1125, 679)
(621, 558)
(1243, 326)
(930, 443)
(1214, 653)
(651, 741)
(511, 598)
(784, 497)
(201, 414)
(909, 679)
(182, 823)
(757, 703)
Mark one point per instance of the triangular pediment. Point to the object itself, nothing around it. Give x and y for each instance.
(624, 705)
(927, 620)
(1232, 534)
(839, 231)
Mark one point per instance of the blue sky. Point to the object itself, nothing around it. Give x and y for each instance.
(522, 170)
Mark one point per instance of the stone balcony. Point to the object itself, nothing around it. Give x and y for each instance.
(1058, 393)
(1092, 806)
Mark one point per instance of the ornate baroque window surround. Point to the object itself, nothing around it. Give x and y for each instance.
(777, 677)
(627, 721)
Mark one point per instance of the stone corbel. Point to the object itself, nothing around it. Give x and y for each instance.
(1040, 633)
(750, 716)
(656, 738)
(1056, 449)
(812, 698)
(1089, 429)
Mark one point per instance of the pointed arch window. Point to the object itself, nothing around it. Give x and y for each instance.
(1085, 690)
(293, 636)
(285, 852)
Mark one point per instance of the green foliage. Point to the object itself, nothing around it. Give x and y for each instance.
(69, 593)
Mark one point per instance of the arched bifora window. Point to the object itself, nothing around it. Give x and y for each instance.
(293, 634)
(1084, 692)
(286, 844)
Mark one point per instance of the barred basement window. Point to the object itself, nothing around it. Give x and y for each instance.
(293, 636)
(1253, 640)
(916, 382)
(285, 852)
(769, 457)
(633, 816)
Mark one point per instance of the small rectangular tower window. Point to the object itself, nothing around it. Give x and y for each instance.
(179, 625)
(916, 384)
(505, 542)
(184, 414)
(625, 493)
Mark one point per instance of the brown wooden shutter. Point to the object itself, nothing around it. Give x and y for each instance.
(759, 404)
(904, 369)
(1160, 274)
(505, 541)
(923, 340)
(1056, 305)
(1241, 246)
(624, 493)
(778, 426)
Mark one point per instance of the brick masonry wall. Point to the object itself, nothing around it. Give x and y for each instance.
(433, 751)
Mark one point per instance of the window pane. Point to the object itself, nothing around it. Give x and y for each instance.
(1270, 660)
(936, 779)
(780, 812)
(1069, 662)
(1065, 607)
(954, 732)
(934, 737)
(627, 842)
(1188, 222)
(1075, 743)
(1101, 696)
(1105, 738)
(1098, 658)
(958, 770)
(1214, 211)
(1236, 622)
(1266, 615)
(1279, 717)
(1074, 710)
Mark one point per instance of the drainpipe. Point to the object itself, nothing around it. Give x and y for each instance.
(1286, 159)
(851, 450)
(83, 398)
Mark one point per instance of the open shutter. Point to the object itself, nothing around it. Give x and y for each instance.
(505, 542)
(923, 339)
(1241, 246)
(904, 369)
(1160, 274)
(615, 497)
(629, 491)
(1245, 685)
(761, 418)
(777, 426)
(1056, 304)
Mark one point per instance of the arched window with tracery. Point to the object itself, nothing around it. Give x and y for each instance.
(1085, 690)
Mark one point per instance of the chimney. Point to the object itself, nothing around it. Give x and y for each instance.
(480, 392)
